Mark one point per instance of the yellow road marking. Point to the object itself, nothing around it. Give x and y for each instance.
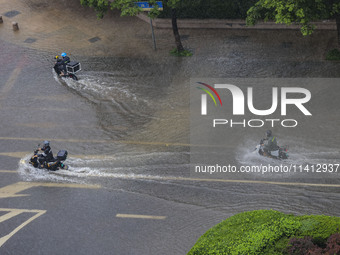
(8, 171)
(38, 125)
(55, 125)
(253, 182)
(139, 216)
(10, 83)
(257, 182)
(13, 189)
(60, 97)
(21, 154)
(93, 156)
(17, 154)
(9, 215)
(14, 212)
(161, 178)
(54, 109)
(101, 141)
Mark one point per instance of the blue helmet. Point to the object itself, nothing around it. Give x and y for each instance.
(46, 144)
(63, 54)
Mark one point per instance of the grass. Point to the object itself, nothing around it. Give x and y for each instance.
(184, 53)
(263, 232)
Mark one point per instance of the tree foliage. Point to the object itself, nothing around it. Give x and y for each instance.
(127, 7)
(210, 9)
(100, 6)
(302, 12)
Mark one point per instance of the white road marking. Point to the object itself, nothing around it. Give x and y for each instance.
(14, 212)
(140, 216)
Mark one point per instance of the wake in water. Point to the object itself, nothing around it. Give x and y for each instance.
(30, 173)
(121, 92)
(297, 154)
(304, 162)
(123, 103)
(155, 166)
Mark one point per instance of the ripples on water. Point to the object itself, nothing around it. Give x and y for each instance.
(135, 94)
(147, 100)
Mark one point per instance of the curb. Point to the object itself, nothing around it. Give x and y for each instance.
(229, 24)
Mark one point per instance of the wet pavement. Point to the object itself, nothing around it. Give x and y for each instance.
(126, 126)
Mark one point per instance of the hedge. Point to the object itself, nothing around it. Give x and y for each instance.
(263, 232)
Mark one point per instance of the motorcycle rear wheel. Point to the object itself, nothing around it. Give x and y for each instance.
(65, 167)
(74, 77)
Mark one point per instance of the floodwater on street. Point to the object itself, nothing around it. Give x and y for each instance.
(126, 122)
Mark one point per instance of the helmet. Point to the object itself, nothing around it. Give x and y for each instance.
(269, 133)
(56, 57)
(63, 54)
(46, 144)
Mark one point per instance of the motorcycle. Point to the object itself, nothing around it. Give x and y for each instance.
(38, 161)
(72, 68)
(280, 153)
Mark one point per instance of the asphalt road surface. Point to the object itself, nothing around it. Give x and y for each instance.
(126, 126)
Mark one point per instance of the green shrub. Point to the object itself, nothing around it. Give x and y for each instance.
(333, 55)
(320, 227)
(263, 232)
(184, 53)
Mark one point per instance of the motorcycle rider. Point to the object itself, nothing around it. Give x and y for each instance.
(65, 59)
(47, 154)
(269, 143)
(58, 65)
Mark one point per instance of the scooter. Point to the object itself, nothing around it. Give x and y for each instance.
(72, 68)
(280, 153)
(38, 161)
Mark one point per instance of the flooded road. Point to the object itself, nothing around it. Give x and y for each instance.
(126, 122)
(129, 119)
